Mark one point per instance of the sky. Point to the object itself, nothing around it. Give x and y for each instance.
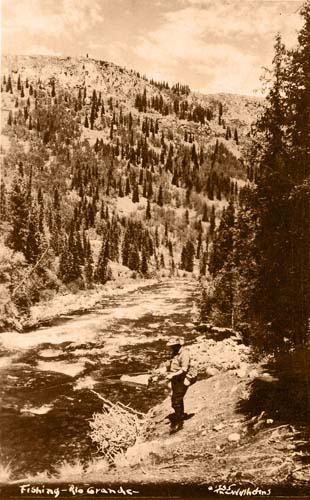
(211, 45)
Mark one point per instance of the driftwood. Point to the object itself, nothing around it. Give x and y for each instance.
(126, 407)
(115, 429)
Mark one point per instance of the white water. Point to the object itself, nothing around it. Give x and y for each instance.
(108, 329)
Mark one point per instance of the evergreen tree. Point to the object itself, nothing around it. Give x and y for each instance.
(187, 257)
(56, 229)
(144, 263)
(120, 189)
(53, 89)
(199, 242)
(88, 264)
(221, 266)
(148, 214)
(33, 247)
(212, 221)
(134, 258)
(236, 138)
(101, 273)
(135, 193)
(205, 213)
(19, 211)
(160, 200)
(125, 248)
(223, 240)
(127, 189)
(114, 239)
(9, 85)
(3, 202)
(10, 118)
(277, 301)
(203, 263)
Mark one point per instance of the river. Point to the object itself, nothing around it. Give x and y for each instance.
(46, 373)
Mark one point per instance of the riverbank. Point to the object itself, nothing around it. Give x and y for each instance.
(82, 301)
(239, 420)
(64, 305)
(223, 442)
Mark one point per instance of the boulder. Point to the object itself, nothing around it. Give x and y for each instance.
(234, 437)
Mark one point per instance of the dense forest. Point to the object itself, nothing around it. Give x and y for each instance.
(260, 261)
(95, 184)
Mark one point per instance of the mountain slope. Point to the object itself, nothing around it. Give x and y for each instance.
(112, 168)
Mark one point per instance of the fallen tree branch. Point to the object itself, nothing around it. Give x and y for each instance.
(28, 274)
(128, 408)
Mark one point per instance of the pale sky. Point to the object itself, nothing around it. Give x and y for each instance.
(212, 45)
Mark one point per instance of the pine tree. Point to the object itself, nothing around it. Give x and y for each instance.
(187, 257)
(135, 193)
(114, 239)
(88, 264)
(3, 202)
(148, 214)
(33, 247)
(53, 89)
(203, 263)
(144, 263)
(125, 247)
(101, 273)
(160, 200)
(127, 188)
(278, 298)
(205, 213)
(212, 221)
(298, 133)
(69, 269)
(236, 138)
(199, 242)
(223, 240)
(221, 266)
(120, 189)
(9, 85)
(10, 118)
(19, 211)
(134, 258)
(156, 237)
(56, 229)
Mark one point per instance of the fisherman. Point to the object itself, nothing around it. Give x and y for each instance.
(178, 368)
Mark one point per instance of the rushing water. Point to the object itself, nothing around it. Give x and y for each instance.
(46, 374)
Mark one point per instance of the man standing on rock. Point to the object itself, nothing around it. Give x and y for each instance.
(178, 373)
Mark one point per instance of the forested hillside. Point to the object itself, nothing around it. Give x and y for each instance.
(108, 174)
(260, 261)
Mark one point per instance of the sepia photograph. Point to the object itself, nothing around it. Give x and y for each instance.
(155, 249)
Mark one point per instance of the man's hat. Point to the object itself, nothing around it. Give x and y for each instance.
(175, 341)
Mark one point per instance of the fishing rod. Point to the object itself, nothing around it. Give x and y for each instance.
(75, 379)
